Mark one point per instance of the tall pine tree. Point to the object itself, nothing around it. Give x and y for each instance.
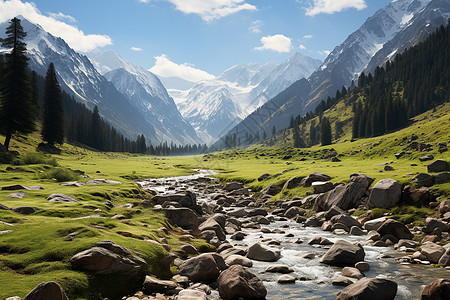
(17, 113)
(53, 113)
(325, 132)
(96, 138)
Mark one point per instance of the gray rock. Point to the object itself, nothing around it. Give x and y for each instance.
(355, 230)
(263, 253)
(431, 224)
(24, 210)
(333, 211)
(231, 186)
(205, 267)
(439, 289)
(313, 222)
(395, 228)
(369, 289)
(153, 285)
(385, 194)
(286, 279)
(424, 179)
(322, 186)
(293, 212)
(362, 266)
(47, 290)
(346, 220)
(316, 176)
(283, 269)
(189, 294)
(212, 224)
(237, 282)
(318, 240)
(271, 189)
(293, 183)
(342, 281)
(352, 272)
(374, 224)
(238, 260)
(182, 217)
(60, 198)
(439, 165)
(18, 195)
(343, 196)
(426, 157)
(343, 253)
(444, 261)
(432, 251)
(73, 183)
(102, 181)
(441, 178)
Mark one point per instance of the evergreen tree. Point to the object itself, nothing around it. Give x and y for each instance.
(53, 113)
(95, 130)
(325, 132)
(297, 139)
(17, 114)
(35, 93)
(274, 130)
(312, 133)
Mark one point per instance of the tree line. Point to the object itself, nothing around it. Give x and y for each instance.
(27, 98)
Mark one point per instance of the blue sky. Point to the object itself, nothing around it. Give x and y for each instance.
(211, 35)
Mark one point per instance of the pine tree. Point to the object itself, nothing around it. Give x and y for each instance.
(53, 113)
(96, 130)
(274, 130)
(325, 132)
(297, 139)
(35, 93)
(17, 114)
(312, 133)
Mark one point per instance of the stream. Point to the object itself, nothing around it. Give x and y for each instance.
(314, 278)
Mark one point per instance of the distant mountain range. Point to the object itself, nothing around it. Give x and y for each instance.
(215, 106)
(399, 25)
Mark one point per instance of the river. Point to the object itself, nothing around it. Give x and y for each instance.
(314, 278)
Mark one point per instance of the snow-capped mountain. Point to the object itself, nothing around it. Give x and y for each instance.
(399, 25)
(211, 108)
(146, 93)
(391, 29)
(79, 77)
(222, 102)
(281, 77)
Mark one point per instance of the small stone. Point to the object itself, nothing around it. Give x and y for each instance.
(286, 279)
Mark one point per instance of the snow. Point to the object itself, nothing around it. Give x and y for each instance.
(406, 18)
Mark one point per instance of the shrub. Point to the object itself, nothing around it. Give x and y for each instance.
(60, 174)
(33, 158)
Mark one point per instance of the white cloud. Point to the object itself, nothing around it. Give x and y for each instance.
(164, 67)
(333, 6)
(324, 52)
(210, 10)
(278, 43)
(60, 16)
(76, 38)
(255, 27)
(136, 49)
(308, 36)
(302, 47)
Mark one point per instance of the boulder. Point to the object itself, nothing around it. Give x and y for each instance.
(346, 220)
(256, 212)
(286, 279)
(333, 211)
(424, 179)
(432, 251)
(189, 294)
(343, 254)
(238, 260)
(153, 285)
(231, 186)
(24, 210)
(283, 269)
(205, 267)
(369, 289)
(238, 236)
(316, 176)
(444, 261)
(426, 158)
(189, 249)
(232, 251)
(341, 281)
(436, 290)
(293, 183)
(352, 272)
(362, 266)
(385, 194)
(183, 217)
(322, 186)
(60, 198)
(212, 224)
(237, 282)
(438, 165)
(431, 224)
(108, 258)
(263, 253)
(293, 212)
(343, 196)
(271, 189)
(441, 178)
(318, 240)
(18, 195)
(263, 176)
(374, 224)
(355, 230)
(313, 222)
(47, 290)
(395, 228)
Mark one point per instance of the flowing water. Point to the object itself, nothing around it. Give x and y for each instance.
(314, 278)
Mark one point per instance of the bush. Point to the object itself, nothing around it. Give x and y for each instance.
(60, 174)
(33, 158)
